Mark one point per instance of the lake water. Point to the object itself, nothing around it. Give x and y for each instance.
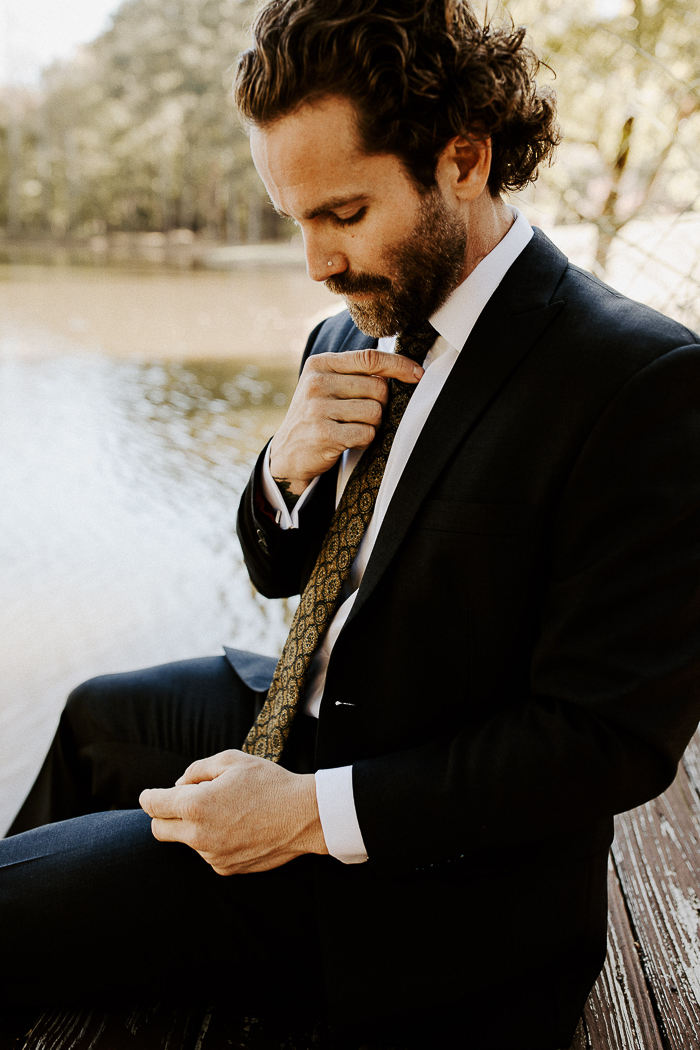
(132, 408)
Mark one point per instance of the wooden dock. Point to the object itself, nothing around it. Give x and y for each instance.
(646, 998)
(648, 995)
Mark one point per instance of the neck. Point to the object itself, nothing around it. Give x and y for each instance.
(488, 221)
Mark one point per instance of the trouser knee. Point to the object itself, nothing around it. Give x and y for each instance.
(63, 788)
(87, 707)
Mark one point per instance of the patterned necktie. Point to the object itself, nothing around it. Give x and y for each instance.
(341, 543)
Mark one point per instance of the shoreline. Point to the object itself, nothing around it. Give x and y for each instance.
(262, 316)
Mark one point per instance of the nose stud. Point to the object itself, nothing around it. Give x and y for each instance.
(330, 262)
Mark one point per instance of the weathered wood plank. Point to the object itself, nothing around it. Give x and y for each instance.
(691, 761)
(580, 1040)
(657, 855)
(218, 1029)
(157, 1027)
(221, 1030)
(619, 1014)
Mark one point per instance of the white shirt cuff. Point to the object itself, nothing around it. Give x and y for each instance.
(286, 519)
(336, 808)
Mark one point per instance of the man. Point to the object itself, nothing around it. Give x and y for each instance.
(496, 647)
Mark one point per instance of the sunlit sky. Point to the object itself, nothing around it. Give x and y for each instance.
(35, 32)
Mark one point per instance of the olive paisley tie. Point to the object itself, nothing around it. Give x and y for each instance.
(341, 543)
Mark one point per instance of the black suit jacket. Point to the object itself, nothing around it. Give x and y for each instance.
(523, 656)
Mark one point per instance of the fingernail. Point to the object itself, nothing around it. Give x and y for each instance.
(417, 371)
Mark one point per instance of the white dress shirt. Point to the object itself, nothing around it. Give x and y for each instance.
(453, 322)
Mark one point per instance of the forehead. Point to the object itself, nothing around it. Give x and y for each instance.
(314, 154)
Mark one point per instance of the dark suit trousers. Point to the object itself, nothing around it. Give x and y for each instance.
(95, 905)
(121, 733)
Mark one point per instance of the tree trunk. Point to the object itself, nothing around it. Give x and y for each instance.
(608, 223)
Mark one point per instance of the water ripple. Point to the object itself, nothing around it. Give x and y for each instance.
(120, 485)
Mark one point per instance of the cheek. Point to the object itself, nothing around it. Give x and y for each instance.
(372, 249)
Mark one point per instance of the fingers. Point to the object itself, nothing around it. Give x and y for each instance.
(355, 435)
(254, 817)
(354, 410)
(337, 405)
(372, 363)
(168, 830)
(320, 384)
(175, 813)
(167, 803)
(156, 802)
(207, 768)
(353, 386)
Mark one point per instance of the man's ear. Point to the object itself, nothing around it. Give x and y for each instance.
(463, 167)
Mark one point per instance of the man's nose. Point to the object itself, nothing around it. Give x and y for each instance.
(322, 260)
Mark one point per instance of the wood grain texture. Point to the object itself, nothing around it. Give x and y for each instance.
(156, 1027)
(221, 1030)
(691, 761)
(580, 1040)
(657, 855)
(619, 1014)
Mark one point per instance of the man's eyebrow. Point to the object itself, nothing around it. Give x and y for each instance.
(329, 205)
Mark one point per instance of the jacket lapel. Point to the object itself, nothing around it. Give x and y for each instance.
(339, 335)
(357, 340)
(515, 316)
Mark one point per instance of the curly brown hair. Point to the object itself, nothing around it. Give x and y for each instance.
(419, 72)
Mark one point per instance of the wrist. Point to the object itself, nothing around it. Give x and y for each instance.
(288, 481)
(311, 832)
(289, 495)
(290, 487)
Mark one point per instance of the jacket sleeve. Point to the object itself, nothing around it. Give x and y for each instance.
(279, 561)
(614, 690)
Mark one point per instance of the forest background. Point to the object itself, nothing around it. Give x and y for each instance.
(136, 134)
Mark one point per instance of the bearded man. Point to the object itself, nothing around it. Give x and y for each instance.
(486, 491)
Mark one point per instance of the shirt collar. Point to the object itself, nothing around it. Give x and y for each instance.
(456, 317)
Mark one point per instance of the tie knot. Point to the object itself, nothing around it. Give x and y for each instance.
(415, 342)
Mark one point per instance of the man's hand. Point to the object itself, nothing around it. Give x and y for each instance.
(337, 405)
(239, 812)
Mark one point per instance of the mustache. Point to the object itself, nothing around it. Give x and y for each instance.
(357, 283)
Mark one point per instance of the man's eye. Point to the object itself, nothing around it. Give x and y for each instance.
(352, 220)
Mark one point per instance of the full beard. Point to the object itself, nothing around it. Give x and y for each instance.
(427, 266)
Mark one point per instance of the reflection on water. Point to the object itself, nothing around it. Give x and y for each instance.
(120, 481)
(210, 419)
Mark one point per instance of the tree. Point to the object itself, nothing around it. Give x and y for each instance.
(139, 132)
(630, 108)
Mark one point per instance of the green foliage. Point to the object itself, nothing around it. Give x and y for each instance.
(138, 131)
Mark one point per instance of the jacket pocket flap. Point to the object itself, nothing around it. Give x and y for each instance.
(253, 669)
